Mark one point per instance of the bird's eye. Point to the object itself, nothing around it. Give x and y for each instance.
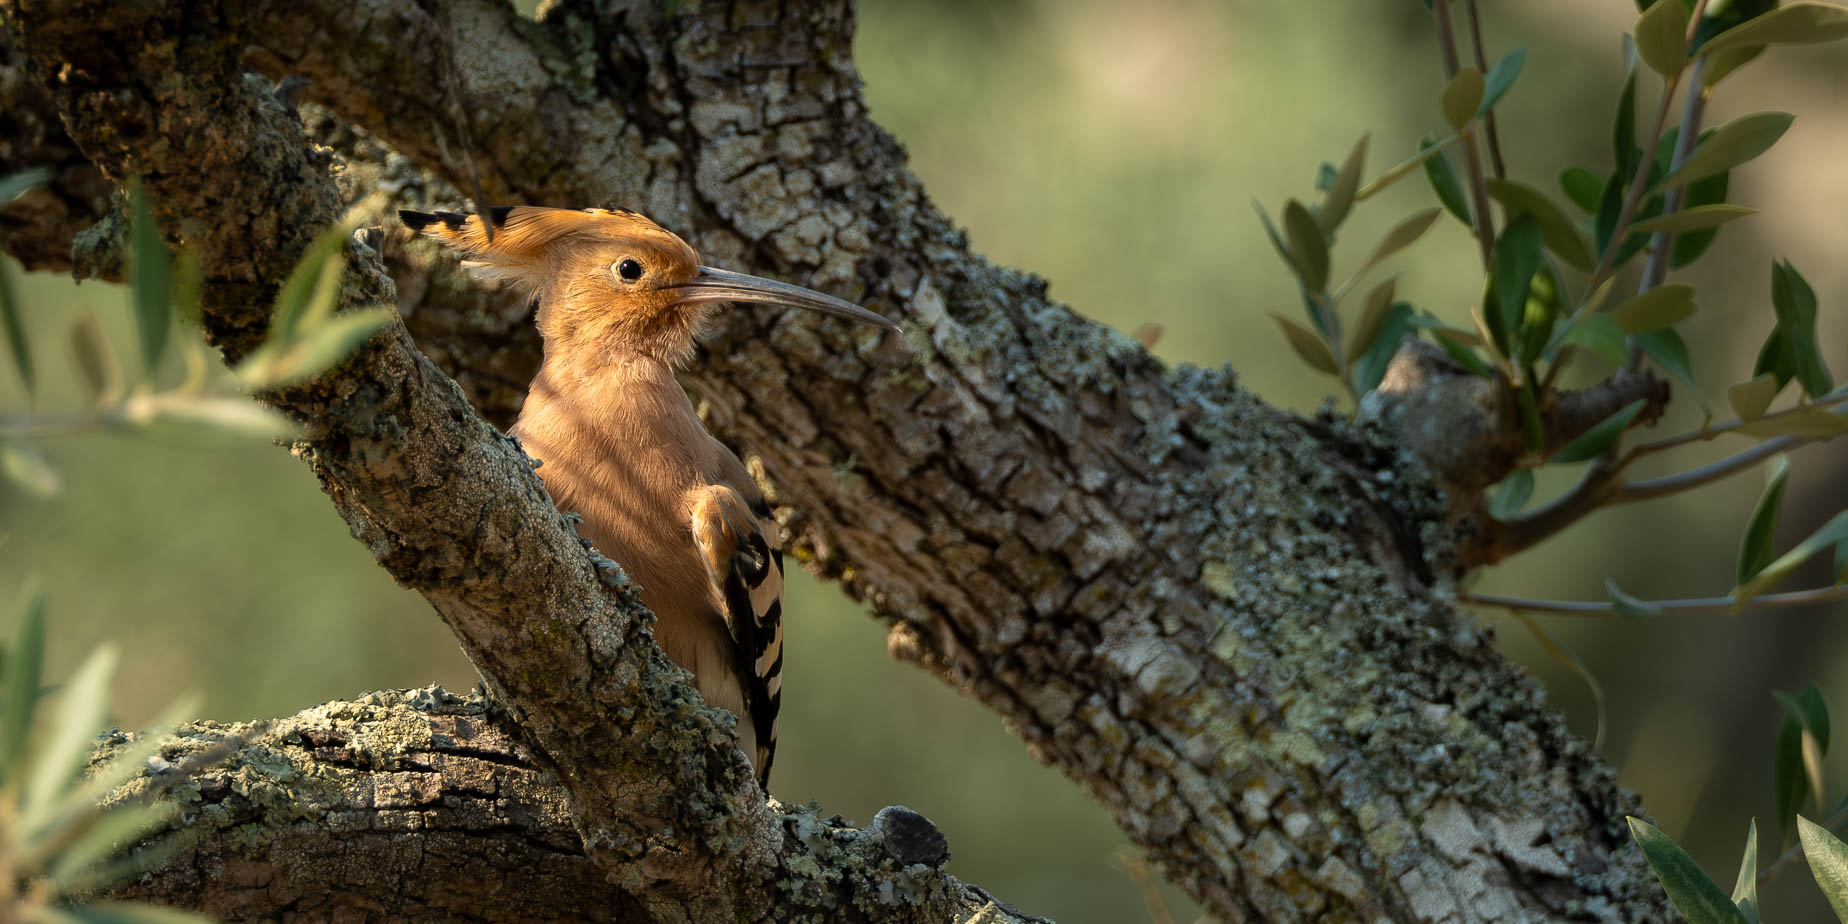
(629, 270)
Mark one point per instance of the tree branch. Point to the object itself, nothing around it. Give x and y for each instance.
(664, 803)
(415, 805)
(1214, 620)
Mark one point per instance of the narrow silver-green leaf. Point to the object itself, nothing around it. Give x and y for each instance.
(1563, 237)
(1600, 335)
(15, 332)
(1795, 304)
(1270, 231)
(1602, 436)
(115, 832)
(1403, 235)
(1400, 169)
(1745, 888)
(233, 414)
(128, 913)
(1698, 218)
(1671, 353)
(1662, 38)
(1750, 399)
(1627, 605)
(1512, 494)
(1828, 862)
(1801, 23)
(1582, 187)
(151, 277)
(66, 743)
(318, 349)
(1689, 245)
(95, 360)
(1660, 307)
(1811, 423)
(25, 664)
(1730, 145)
(1624, 151)
(292, 302)
(188, 282)
(15, 184)
(1517, 257)
(1444, 183)
(1307, 345)
(1308, 248)
(1500, 78)
(1340, 196)
(1462, 95)
(1694, 894)
(27, 466)
(1772, 574)
(1726, 60)
(1369, 369)
(1755, 545)
(1372, 319)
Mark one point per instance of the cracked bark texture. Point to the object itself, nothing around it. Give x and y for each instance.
(403, 805)
(1229, 625)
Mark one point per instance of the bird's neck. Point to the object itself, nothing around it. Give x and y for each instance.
(631, 412)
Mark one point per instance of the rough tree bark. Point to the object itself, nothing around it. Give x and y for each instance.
(1230, 625)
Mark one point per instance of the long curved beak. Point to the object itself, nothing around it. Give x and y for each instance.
(717, 285)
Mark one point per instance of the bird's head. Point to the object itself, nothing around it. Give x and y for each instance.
(610, 282)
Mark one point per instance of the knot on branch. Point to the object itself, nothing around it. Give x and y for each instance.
(909, 837)
(1467, 428)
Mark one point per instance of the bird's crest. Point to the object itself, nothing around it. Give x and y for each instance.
(527, 237)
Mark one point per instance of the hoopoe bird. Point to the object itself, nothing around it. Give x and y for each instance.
(621, 300)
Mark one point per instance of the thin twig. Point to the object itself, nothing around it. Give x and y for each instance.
(1692, 109)
(1633, 491)
(1706, 433)
(1697, 604)
(1796, 850)
(1634, 196)
(1472, 159)
(1655, 270)
(1488, 118)
(1603, 482)
(1625, 214)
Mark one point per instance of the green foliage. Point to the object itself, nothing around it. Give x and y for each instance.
(1444, 182)
(57, 838)
(1628, 606)
(1745, 888)
(152, 269)
(1695, 895)
(1802, 742)
(307, 337)
(1735, 143)
(1761, 529)
(11, 186)
(1500, 78)
(1601, 437)
(1659, 308)
(1828, 863)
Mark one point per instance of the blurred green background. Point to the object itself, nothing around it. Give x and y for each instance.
(1116, 151)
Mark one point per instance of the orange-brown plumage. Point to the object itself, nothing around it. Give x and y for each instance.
(620, 302)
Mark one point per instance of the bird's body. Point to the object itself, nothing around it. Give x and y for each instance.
(619, 444)
(637, 473)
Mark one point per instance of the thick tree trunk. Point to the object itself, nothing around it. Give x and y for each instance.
(1230, 625)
